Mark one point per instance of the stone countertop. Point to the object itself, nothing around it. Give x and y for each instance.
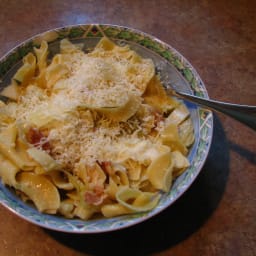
(217, 215)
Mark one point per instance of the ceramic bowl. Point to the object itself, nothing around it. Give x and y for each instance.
(174, 68)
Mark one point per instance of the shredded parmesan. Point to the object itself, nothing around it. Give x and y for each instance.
(79, 133)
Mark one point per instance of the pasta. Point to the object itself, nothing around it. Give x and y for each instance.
(87, 134)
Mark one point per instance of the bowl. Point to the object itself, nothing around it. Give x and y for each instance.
(174, 68)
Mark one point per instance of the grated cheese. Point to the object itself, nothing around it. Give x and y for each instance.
(76, 132)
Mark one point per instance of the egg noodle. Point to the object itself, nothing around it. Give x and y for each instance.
(84, 134)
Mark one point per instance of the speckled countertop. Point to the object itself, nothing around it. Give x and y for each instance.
(217, 215)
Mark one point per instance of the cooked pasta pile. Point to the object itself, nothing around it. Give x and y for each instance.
(92, 133)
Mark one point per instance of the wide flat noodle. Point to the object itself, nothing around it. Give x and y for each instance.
(11, 91)
(186, 132)
(41, 55)
(8, 171)
(40, 190)
(136, 200)
(120, 112)
(112, 210)
(44, 159)
(26, 71)
(19, 158)
(178, 115)
(156, 96)
(61, 179)
(8, 135)
(170, 137)
(159, 172)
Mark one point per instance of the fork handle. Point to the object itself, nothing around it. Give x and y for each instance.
(246, 114)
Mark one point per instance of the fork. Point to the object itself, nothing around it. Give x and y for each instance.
(245, 114)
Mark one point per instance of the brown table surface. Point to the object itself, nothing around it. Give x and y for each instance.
(217, 215)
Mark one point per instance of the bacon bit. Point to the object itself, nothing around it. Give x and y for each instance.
(107, 167)
(96, 196)
(37, 138)
(158, 118)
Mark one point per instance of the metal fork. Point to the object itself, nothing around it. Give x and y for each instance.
(246, 114)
